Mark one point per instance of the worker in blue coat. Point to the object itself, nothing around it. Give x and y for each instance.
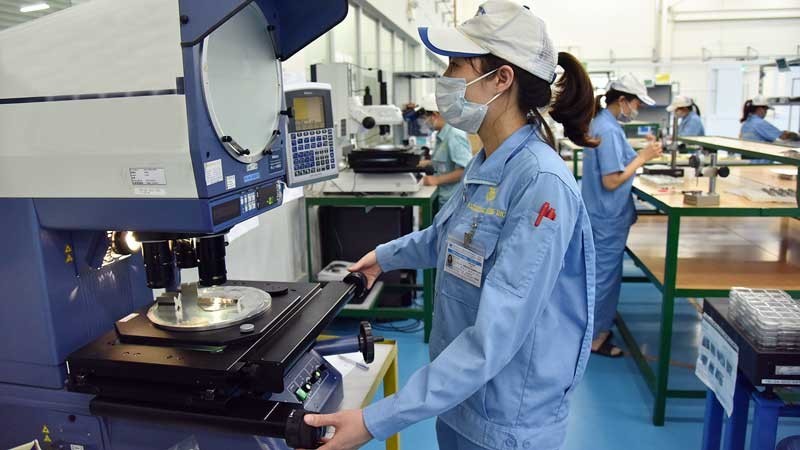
(513, 247)
(608, 173)
(688, 114)
(451, 153)
(755, 128)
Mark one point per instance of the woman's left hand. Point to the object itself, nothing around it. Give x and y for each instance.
(430, 180)
(351, 433)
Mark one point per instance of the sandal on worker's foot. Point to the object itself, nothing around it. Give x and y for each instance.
(608, 349)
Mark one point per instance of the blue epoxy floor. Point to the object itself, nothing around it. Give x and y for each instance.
(612, 407)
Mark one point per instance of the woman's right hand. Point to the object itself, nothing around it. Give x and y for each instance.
(368, 265)
(651, 151)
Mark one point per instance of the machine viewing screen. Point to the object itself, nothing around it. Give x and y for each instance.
(309, 113)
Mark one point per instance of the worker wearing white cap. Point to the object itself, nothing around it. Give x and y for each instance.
(689, 115)
(451, 152)
(755, 128)
(608, 173)
(513, 249)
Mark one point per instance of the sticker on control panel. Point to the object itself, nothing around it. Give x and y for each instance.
(213, 172)
(148, 176)
(230, 182)
(252, 166)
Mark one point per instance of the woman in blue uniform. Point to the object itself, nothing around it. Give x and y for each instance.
(689, 115)
(755, 128)
(608, 172)
(513, 248)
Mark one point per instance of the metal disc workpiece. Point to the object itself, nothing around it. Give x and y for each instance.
(208, 308)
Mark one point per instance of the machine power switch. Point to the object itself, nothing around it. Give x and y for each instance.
(301, 394)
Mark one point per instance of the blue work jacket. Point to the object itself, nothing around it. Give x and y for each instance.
(505, 356)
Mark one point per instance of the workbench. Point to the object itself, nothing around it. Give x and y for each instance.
(738, 243)
(425, 199)
(682, 160)
(360, 386)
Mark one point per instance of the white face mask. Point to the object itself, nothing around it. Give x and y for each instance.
(625, 118)
(454, 107)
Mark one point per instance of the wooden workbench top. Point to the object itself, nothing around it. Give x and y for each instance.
(741, 177)
(719, 253)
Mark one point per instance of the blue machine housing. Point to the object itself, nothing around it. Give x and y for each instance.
(293, 25)
(58, 296)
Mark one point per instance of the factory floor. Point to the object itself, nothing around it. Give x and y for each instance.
(612, 407)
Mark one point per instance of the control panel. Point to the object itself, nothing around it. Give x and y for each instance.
(310, 144)
(235, 207)
(314, 383)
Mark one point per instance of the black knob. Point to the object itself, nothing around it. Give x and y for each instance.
(694, 161)
(368, 123)
(301, 435)
(724, 171)
(366, 342)
(226, 139)
(359, 280)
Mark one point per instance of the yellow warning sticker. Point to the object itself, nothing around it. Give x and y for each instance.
(47, 438)
(69, 258)
(45, 430)
(68, 254)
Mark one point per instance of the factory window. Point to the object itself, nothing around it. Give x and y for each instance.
(399, 54)
(385, 49)
(345, 38)
(369, 41)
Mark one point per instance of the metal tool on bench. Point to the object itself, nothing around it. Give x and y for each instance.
(712, 171)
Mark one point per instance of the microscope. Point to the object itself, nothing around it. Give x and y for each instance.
(712, 171)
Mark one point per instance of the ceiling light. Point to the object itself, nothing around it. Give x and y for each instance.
(34, 7)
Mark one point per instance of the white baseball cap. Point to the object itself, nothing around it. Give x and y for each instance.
(680, 101)
(428, 103)
(629, 84)
(502, 28)
(760, 100)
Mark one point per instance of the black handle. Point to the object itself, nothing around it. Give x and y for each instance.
(724, 171)
(301, 435)
(359, 280)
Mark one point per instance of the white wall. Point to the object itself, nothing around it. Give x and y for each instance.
(677, 30)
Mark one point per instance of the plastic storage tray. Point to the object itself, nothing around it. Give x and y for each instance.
(769, 317)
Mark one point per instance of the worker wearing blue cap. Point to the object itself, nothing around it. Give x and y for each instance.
(513, 248)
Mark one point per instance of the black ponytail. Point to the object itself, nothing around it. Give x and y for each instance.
(748, 109)
(695, 108)
(574, 105)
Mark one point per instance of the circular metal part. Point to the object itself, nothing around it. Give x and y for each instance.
(210, 308)
(242, 84)
(247, 328)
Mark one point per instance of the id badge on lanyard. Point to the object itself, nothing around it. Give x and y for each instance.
(464, 257)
